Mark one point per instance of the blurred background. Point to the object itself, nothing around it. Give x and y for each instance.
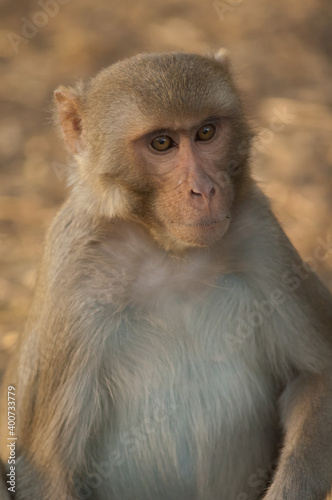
(282, 53)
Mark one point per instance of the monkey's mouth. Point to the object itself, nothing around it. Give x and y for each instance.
(201, 233)
(203, 222)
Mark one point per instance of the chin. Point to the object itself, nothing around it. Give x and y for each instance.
(179, 237)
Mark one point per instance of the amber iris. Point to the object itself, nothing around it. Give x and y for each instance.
(162, 143)
(205, 133)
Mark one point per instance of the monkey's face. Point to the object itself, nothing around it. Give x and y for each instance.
(160, 139)
(191, 191)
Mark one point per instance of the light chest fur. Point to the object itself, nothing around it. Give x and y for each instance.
(190, 354)
(190, 386)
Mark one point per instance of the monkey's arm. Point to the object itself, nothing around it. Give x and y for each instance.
(61, 391)
(299, 333)
(305, 465)
(60, 420)
(304, 470)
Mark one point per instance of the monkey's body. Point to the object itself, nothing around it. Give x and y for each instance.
(188, 390)
(183, 405)
(152, 363)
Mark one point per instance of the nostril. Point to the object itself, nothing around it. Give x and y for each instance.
(194, 193)
(207, 192)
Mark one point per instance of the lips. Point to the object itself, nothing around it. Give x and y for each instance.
(202, 223)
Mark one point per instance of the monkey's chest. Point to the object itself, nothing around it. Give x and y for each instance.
(183, 412)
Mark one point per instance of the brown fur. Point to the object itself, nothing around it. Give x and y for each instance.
(168, 318)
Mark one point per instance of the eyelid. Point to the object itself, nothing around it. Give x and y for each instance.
(157, 133)
(214, 122)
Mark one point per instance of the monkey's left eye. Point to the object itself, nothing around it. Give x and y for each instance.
(205, 133)
(162, 143)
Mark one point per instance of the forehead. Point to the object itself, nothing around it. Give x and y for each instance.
(167, 85)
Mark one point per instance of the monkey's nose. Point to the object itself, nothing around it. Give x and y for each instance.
(206, 191)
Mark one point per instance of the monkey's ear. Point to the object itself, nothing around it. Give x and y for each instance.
(222, 56)
(68, 103)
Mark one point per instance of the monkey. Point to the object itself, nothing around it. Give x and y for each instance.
(177, 347)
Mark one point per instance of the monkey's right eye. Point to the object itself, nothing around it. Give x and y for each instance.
(162, 143)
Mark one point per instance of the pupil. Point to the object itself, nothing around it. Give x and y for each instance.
(205, 130)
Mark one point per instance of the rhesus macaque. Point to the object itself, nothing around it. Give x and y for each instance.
(177, 348)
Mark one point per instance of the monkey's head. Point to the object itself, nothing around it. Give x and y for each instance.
(160, 139)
